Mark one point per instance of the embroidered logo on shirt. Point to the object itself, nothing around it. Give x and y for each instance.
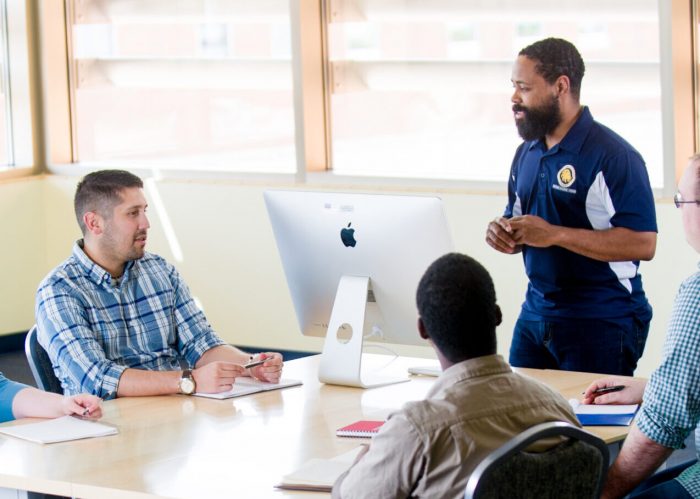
(566, 177)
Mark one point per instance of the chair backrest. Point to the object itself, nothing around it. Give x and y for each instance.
(40, 364)
(575, 468)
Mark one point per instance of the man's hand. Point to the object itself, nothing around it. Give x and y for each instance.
(533, 231)
(217, 377)
(499, 235)
(631, 394)
(271, 370)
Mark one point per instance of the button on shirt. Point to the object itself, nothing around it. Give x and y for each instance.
(671, 407)
(430, 447)
(94, 329)
(8, 391)
(592, 179)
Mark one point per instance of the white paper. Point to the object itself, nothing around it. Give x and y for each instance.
(61, 429)
(322, 472)
(246, 386)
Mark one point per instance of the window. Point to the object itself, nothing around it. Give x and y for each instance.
(195, 84)
(15, 121)
(422, 89)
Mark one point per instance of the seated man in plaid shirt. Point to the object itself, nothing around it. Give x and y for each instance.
(116, 320)
(670, 408)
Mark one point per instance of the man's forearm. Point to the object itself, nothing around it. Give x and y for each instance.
(225, 353)
(637, 460)
(139, 383)
(612, 245)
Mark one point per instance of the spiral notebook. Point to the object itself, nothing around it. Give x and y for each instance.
(360, 429)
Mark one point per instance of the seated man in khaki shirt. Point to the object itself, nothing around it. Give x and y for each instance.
(430, 447)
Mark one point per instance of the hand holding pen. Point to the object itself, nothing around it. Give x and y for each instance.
(83, 405)
(615, 390)
(266, 367)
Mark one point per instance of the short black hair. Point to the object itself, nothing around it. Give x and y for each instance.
(457, 304)
(555, 57)
(99, 192)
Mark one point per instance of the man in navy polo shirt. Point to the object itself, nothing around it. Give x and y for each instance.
(581, 210)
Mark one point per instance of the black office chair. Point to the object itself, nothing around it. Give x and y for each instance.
(574, 469)
(40, 364)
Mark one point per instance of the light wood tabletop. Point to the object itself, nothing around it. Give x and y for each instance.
(180, 446)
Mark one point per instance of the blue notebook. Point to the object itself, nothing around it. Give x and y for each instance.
(604, 415)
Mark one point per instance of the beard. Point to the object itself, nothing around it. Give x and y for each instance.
(114, 245)
(538, 121)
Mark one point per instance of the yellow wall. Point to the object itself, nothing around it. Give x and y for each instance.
(231, 263)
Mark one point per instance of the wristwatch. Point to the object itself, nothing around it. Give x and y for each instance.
(187, 384)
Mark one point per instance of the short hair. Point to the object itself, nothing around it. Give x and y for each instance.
(99, 192)
(456, 301)
(555, 57)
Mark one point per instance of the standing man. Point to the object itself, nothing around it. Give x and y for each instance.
(670, 401)
(581, 210)
(116, 320)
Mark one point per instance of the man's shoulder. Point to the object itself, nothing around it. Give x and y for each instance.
(602, 139)
(507, 392)
(67, 272)
(690, 288)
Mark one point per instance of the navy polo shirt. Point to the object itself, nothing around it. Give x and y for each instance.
(592, 179)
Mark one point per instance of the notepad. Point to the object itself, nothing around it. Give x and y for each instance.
(246, 386)
(363, 429)
(604, 414)
(319, 475)
(61, 429)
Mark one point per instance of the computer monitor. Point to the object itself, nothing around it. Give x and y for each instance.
(353, 263)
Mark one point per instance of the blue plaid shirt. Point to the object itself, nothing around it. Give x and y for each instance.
(671, 408)
(94, 328)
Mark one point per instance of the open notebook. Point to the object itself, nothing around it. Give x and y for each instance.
(59, 430)
(319, 475)
(246, 386)
(604, 414)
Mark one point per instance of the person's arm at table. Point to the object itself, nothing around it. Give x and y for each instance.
(637, 460)
(34, 403)
(631, 394)
(270, 371)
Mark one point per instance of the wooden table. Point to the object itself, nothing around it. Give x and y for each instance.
(179, 446)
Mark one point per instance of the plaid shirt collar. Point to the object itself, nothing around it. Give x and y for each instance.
(96, 273)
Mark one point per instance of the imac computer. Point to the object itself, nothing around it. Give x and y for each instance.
(353, 263)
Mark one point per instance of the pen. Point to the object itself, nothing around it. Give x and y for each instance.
(255, 363)
(608, 389)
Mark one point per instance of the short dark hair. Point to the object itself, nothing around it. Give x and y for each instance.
(457, 304)
(555, 57)
(99, 192)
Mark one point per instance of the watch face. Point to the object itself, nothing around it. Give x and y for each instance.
(187, 386)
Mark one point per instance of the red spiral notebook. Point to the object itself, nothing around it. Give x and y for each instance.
(362, 429)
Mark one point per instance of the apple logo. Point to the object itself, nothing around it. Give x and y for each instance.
(347, 235)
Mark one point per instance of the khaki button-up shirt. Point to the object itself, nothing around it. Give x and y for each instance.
(430, 447)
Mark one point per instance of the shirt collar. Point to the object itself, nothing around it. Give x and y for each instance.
(93, 271)
(468, 369)
(574, 138)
